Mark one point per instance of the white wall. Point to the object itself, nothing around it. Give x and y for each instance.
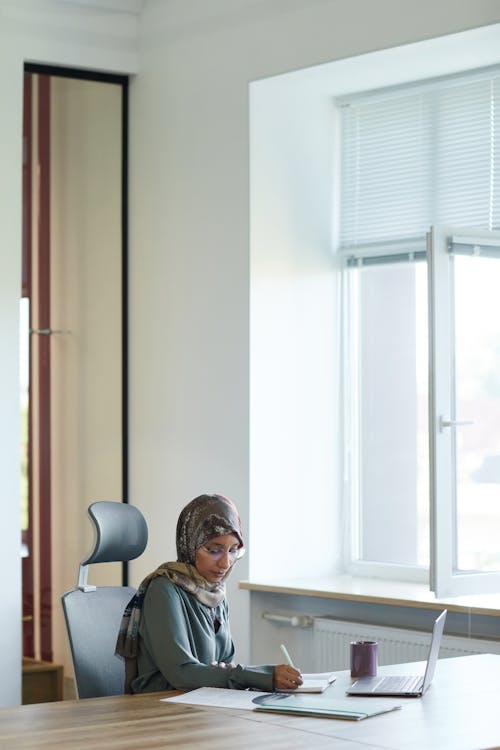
(42, 32)
(10, 274)
(189, 228)
(295, 422)
(190, 263)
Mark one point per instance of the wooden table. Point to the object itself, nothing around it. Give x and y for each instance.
(461, 711)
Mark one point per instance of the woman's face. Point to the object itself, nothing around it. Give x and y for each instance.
(216, 557)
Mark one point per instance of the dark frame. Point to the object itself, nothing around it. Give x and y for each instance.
(123, 81)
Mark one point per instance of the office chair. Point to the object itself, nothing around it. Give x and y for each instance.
(93, 614)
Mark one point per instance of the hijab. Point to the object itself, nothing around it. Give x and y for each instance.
(204, 518)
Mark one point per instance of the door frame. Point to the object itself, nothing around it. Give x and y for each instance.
(44, 583)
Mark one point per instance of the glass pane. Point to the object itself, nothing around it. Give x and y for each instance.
(393, 414)
(477, 382)
(24, 404)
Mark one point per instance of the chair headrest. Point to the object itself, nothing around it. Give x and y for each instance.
(121, 532)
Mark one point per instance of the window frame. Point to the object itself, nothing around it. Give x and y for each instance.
(444, 581)
(352, 564)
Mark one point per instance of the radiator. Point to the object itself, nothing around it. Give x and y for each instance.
(331, 639)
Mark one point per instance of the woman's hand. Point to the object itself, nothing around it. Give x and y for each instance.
(223, 665)
(286, 677)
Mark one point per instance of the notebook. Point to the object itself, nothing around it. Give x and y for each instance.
(334, 708)
(314, 683)
(406, 686)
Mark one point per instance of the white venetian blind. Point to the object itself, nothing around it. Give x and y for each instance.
(417, 156)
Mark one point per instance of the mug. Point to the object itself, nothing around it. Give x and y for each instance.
(364, 658)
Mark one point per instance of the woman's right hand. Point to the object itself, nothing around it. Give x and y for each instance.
(286, 677)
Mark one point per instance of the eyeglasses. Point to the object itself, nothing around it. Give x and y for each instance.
(217, 552)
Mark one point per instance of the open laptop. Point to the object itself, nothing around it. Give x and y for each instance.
(409, 686)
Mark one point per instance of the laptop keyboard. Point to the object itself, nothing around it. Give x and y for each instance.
(400, 684)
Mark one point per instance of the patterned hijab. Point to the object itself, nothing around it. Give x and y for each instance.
(204, 518)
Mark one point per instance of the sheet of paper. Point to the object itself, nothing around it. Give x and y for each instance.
(219, 697)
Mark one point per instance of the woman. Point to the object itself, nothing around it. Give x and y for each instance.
(175, 631)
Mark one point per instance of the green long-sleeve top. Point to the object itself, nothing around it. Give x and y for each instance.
(178, 640)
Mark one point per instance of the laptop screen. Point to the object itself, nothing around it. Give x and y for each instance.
(437, 632)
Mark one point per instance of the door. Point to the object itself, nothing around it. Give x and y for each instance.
(74, 288)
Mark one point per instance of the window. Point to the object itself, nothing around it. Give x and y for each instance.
(465, 401)
(413, 157)
(387, 420)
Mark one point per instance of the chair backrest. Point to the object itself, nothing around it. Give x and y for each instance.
(93, 614)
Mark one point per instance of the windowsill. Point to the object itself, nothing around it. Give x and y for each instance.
(378, 591)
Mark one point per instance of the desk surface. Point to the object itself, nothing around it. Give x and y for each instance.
(461, 711)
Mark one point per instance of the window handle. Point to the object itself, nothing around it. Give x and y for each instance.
(451, 423)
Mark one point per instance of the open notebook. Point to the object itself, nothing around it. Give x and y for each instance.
(314, 683)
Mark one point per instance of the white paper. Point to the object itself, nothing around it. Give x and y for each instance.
(219, 697)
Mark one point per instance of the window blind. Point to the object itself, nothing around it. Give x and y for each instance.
(416, 156)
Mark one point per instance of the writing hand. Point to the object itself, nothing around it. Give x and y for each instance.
(286, 677)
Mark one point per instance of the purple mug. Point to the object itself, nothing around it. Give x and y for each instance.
(364, 658)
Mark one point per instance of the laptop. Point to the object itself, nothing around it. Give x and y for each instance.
(404, 687)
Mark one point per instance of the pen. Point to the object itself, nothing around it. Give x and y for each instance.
(287, 656)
